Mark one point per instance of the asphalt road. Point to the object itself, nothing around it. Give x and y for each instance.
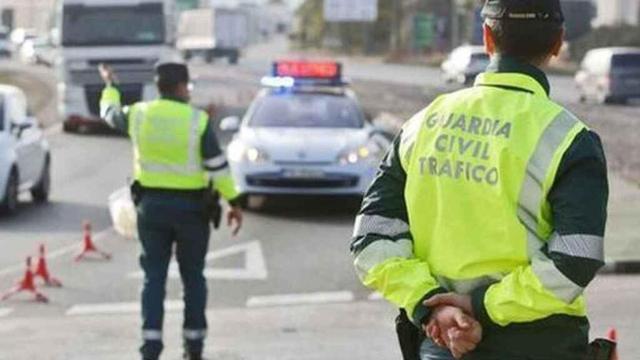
(292, 252)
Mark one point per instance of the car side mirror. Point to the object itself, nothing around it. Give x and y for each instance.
(230, 123)
(18, 128)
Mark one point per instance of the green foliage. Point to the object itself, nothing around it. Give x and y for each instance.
(625, 35)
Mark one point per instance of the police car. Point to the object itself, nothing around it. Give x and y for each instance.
(305, 133)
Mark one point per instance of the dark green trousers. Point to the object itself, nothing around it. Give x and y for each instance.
(166, 221)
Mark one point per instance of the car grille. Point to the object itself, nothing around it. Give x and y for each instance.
(130, 94)
(279, 182)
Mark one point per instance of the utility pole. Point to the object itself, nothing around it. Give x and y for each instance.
(455, 24)
(396, 21)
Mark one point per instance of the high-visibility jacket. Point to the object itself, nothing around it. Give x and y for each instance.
(478, 168)
(167, 145)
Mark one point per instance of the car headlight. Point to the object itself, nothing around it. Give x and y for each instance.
(238, 152)
(371, 153)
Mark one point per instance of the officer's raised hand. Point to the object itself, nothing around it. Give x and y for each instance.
(235, 219)
(107, 74)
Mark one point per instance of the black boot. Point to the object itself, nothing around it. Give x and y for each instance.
(192, 356)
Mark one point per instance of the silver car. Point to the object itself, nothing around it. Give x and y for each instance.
(609, 75)
(464, 64)
(304, 140)
(24, 153)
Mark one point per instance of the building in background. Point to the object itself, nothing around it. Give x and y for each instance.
(31, 14)
(617, 12)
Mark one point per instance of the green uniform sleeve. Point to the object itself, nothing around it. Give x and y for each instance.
(383, 246)
(111, 109)
(556, 278)
(215, 163)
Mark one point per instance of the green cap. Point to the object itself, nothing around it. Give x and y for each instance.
(541, 10)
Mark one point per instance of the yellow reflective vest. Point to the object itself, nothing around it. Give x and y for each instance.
(479, 165)
(167, 142)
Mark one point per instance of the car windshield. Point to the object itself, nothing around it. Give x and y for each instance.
(626, 61)
(307, 110)
(113, 25)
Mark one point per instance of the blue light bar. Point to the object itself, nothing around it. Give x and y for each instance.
(278, 81)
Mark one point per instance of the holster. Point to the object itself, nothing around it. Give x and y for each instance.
(601, 349)
(214, 209)
(409, 337)
(136, 192)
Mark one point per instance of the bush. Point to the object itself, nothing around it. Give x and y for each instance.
(625, 35)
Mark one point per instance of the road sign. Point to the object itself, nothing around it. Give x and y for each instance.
(350, 10)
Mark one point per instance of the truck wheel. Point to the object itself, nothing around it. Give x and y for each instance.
(208, 57)
(40, 193)
(68, 128)
(9, 205)
(233, 59)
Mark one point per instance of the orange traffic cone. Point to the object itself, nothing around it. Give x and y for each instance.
(88, 247)
(26, 285)
(612, 335)
(42, 270)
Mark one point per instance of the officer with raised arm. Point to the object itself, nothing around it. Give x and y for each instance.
(176, 156)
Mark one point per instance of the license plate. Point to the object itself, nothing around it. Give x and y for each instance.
(303, 174)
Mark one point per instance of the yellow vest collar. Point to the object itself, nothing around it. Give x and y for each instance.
(515, 81)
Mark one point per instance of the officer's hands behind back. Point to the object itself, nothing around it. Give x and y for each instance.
(451, 327)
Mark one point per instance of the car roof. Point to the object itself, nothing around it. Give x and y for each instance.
(10, 90)
(473, 49)
(331, 91)
(617, 50)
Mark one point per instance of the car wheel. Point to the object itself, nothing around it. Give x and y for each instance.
(9, 205)
(582, 98)
(68, 128)
(40, 193)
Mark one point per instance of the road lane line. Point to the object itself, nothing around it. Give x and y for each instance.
(375, 296)
(254, 267)
(5, 311)
(301, 299)
(98, 237)
(118, 308)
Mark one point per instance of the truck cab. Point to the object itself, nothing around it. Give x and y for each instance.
(131, 36)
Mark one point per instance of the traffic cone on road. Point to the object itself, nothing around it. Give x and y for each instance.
(88, 247)
(26, 285)
(42, 270)
(612, 335)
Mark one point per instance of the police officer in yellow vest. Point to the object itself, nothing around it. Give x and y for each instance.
(486, 220)
(176, 154)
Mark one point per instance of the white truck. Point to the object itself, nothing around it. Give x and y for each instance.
(213, 33)
(131, 36)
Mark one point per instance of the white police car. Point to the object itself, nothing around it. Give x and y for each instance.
(24, 153)
(305, 133)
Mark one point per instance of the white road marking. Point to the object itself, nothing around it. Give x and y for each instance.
(5, 311)
(98, 237)
(375, 296)
(119, 308)
(301, 299)
(254, 264)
